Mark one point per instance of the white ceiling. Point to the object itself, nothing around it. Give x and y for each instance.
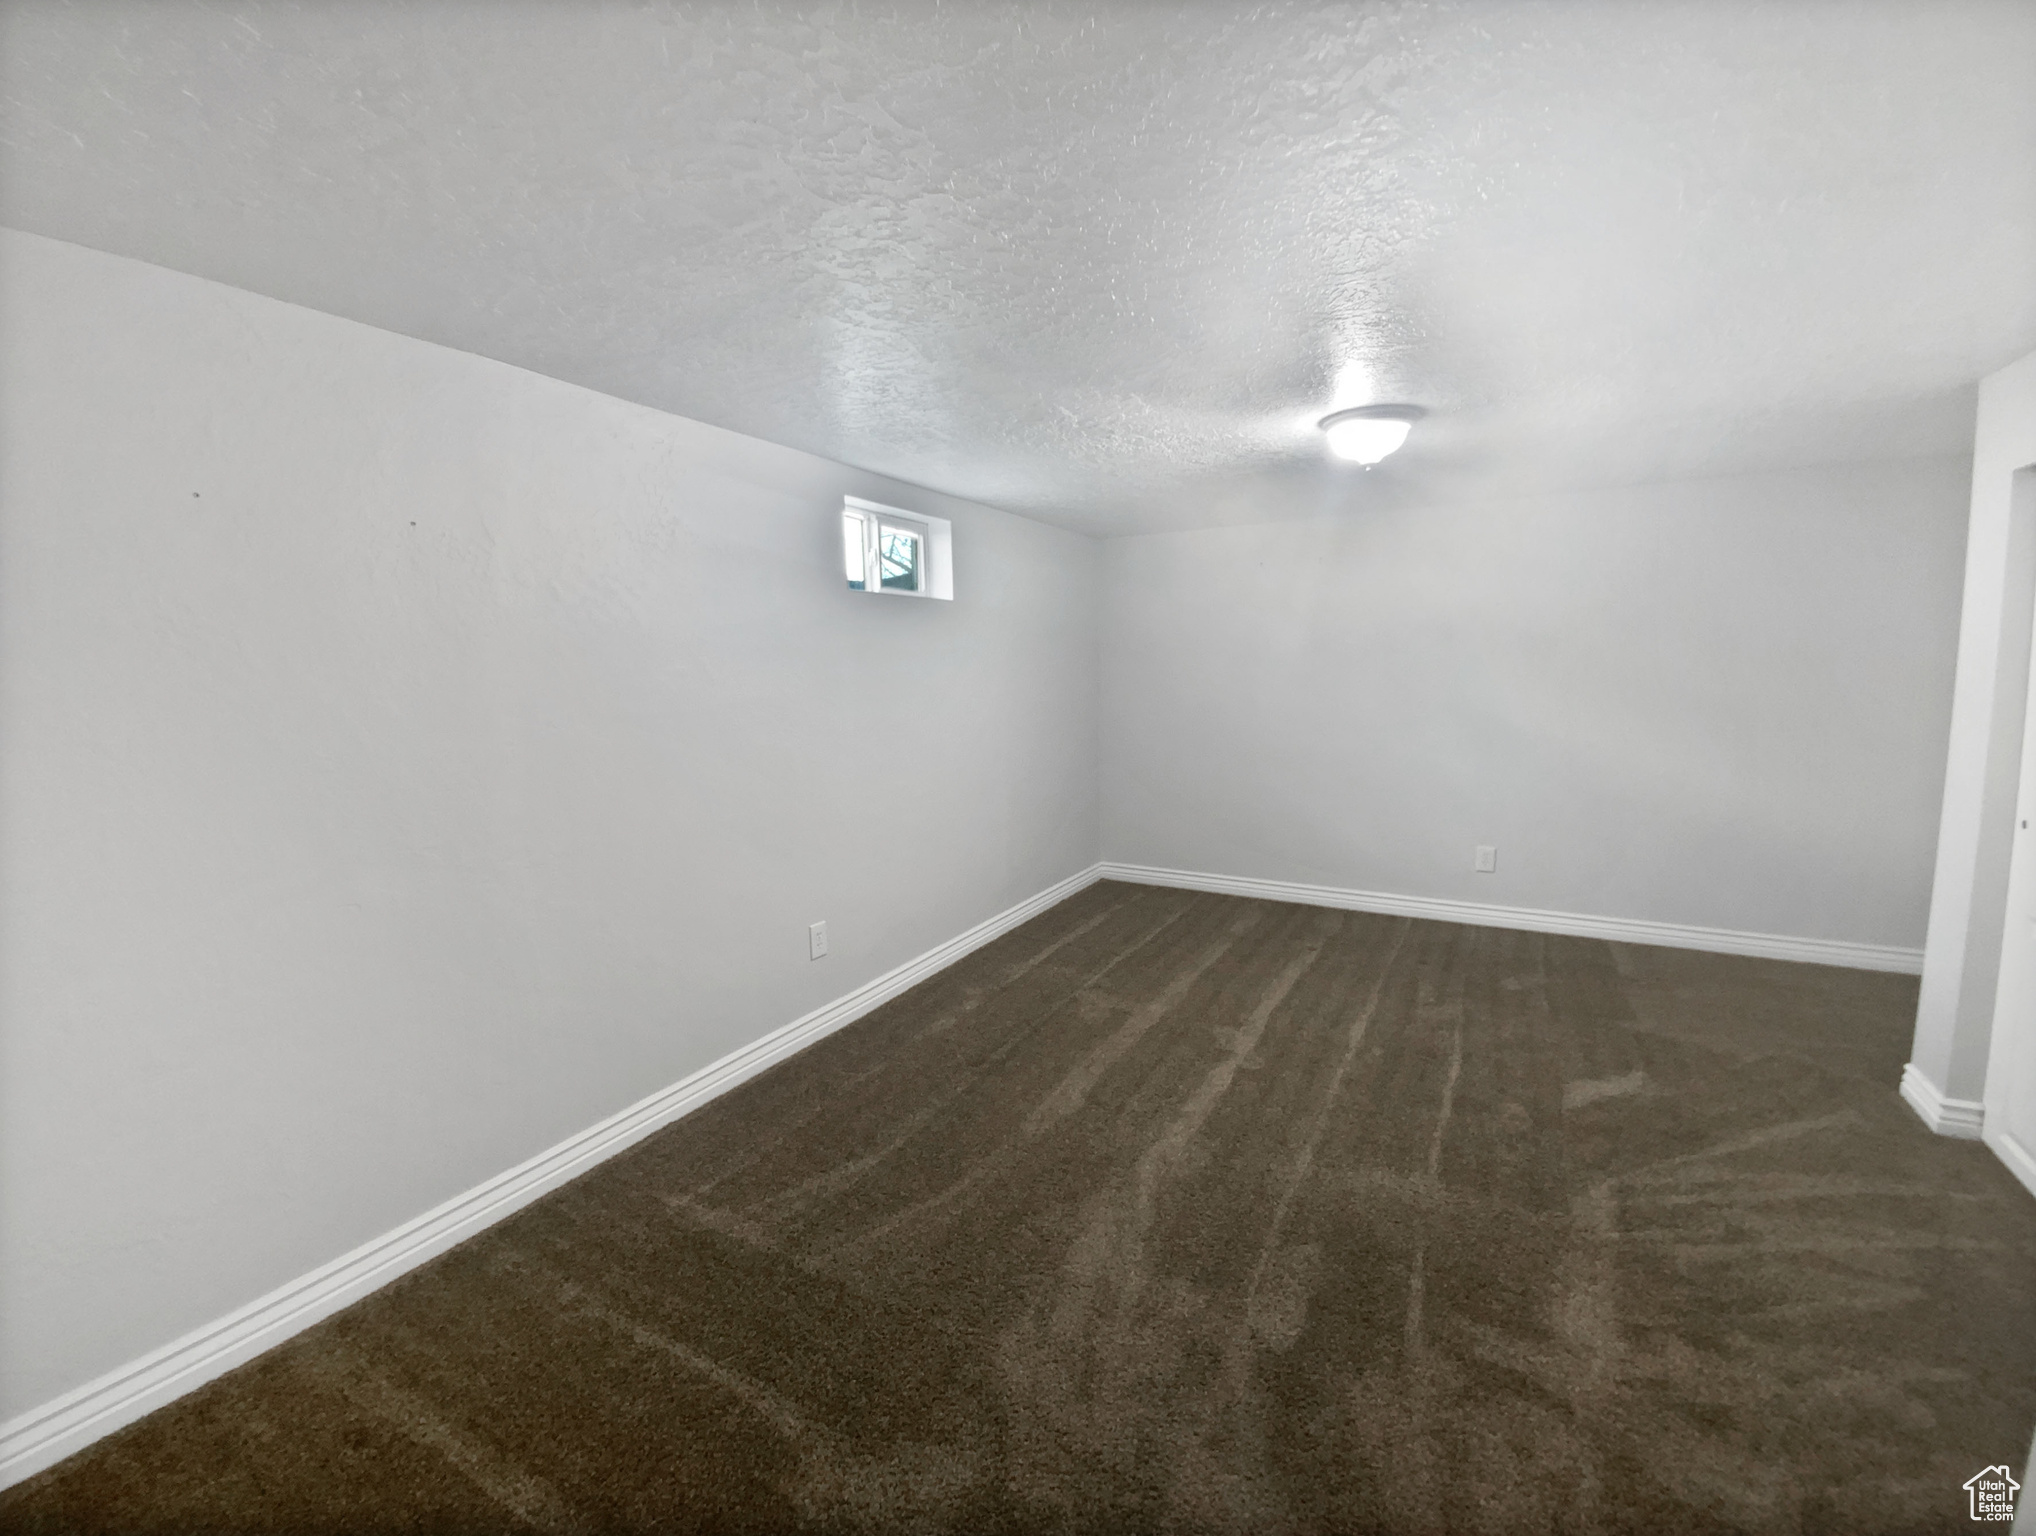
(1104, 263)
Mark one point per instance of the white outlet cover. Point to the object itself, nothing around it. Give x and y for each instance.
(816, 935)
(1487, 860)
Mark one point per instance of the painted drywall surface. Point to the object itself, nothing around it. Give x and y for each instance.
(411, 760)
(1106, 262)
(1718, 703)
(1961, 960)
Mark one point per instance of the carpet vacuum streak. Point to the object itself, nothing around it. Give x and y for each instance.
(1179, 1212)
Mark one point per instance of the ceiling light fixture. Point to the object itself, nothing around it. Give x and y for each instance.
(1370, 432)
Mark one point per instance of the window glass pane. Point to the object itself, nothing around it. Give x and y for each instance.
(851, 549)
(898, 558)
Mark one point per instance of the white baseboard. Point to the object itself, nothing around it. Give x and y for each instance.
(1963, 1118)
(2021, 1163)
(44, 1436)
(1630, 930)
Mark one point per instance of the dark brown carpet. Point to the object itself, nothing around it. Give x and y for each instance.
(1182, 1212)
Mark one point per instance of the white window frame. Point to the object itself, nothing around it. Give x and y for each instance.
(936, 547)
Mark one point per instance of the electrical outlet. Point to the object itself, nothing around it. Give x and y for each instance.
(816, 936)
(1487, 860)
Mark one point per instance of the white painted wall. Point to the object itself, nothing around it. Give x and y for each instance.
(1720, 703)
(411, 760)
(1961, 963)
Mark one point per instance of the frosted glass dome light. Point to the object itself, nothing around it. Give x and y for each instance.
(1370, 432)
(1366, 442)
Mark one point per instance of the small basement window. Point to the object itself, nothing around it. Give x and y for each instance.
(884, 549)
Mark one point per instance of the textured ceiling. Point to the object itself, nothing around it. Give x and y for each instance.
(1104, 263)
